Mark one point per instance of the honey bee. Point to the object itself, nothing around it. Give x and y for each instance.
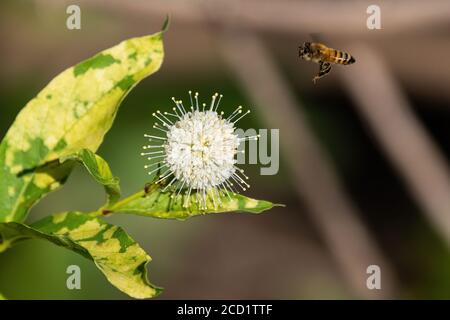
(324, 56)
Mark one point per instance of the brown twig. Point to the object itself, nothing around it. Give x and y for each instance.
(315, 180)
(346, 17)
(405, 141)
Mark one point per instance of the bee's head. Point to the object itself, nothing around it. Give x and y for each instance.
(304, 51)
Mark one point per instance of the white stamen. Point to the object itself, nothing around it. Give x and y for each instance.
(154, 137)
(241, 116)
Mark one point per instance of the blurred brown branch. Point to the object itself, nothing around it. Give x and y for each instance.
(347, 17)
(404, 23)
(381, 102)
(333, 212)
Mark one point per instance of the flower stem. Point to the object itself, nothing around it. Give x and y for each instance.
(109, 209)
(4, 245)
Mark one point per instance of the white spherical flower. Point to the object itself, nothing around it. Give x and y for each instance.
(198, 152)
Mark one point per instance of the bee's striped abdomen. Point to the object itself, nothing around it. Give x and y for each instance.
(340, 57)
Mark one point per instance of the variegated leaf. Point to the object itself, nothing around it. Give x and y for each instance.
(153, 202)
(119, 257)
(99, 170)
(74, 111)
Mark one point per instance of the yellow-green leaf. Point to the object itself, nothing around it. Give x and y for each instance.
(99, 170)
(118, 256)
(153, 202)
(73, 112)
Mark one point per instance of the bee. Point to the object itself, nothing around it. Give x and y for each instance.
(324, 56)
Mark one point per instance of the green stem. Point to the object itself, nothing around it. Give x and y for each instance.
(108, 209)
(4, 245)
(126, 200)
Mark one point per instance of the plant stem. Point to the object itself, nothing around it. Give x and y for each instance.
(126, 200)
(4, 245)
(108, 209)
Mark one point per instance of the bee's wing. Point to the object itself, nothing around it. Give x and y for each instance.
(321, 49)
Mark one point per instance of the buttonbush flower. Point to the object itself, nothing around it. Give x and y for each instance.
(197, 151)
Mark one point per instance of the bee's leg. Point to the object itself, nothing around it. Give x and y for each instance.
(325, 68)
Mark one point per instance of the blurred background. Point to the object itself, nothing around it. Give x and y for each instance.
(364, 153)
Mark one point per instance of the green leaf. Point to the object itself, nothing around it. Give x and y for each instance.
(119, 257)
(153, 202)
(99, 170)
(2, 297)
(73, 112)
